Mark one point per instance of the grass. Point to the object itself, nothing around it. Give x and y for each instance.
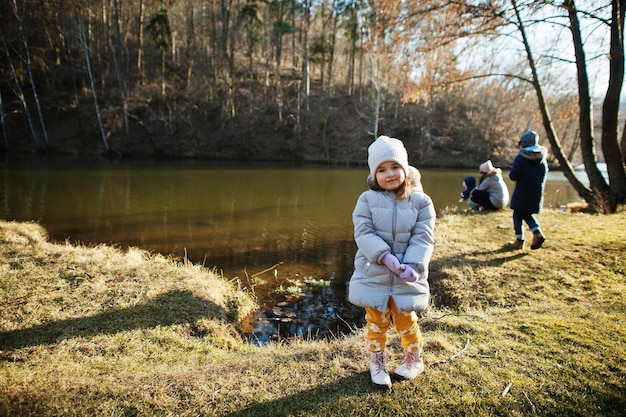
(96, 331)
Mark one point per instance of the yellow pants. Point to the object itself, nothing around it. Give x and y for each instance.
(405, 323)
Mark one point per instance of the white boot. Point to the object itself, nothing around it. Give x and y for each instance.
(411, 366)
(378, 370)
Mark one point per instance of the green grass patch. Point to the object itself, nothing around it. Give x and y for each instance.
(103, 332)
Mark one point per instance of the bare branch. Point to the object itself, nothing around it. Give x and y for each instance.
(460, 352)
(488, 75)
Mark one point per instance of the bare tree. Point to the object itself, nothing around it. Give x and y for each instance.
(159, 30)
(19, 92)
(280, 27)
(84, 43)
(599, 195)
(120, 63)
(306, 71)
(352, 31)
(610, 108)
(5, 134)
(334, 18)
(140, 22)
(568, 170)
(29, 68)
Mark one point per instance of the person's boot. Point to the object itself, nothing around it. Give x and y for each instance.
(378, 370)
(516, 244)
(410, 367)
(538, 240)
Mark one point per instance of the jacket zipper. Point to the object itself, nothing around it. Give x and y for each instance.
(394, 217)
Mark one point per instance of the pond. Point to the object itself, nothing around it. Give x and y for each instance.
(284, 233)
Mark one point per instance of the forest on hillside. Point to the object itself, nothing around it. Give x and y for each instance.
(301, 81)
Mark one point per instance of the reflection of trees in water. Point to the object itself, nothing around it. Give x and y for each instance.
(304, 225)
(265, 265)
(317, 312)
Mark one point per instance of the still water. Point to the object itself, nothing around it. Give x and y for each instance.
(285, 233)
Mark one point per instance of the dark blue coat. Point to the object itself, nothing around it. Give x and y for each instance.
(529, 173)
(470, 183)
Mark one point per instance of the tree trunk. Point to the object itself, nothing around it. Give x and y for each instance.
(20, 93)
(120, 64)
(278, 37)
(304, 87)
(140, 22)
(191, 44)
(294, 55)
(334, 18)
(329, 84)
(29, 68)
(306, 76)
(227, 48)
(378, 98)
(82, 35)
(623, 144)
(352, 38)
(5, 134)
(610, 108)
(587, 141)
(564, 163)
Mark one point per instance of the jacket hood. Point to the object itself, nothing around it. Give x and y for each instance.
(415, 177)
(470, 182)
(534, 153)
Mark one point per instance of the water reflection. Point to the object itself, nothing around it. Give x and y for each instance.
(272, 228)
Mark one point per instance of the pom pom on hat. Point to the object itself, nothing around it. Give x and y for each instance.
(386, 149)
(486, 167)
(528, 139)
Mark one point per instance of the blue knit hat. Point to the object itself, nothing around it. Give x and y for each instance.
(528, 139)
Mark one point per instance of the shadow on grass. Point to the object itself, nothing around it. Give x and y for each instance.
(324, 400)
(319, 399)
(478, 258)
(174, 307)
(498, 256)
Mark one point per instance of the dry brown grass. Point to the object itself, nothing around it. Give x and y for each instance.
(97, 331)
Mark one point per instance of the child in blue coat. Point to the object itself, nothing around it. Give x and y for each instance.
(469, 183)
(529, 173)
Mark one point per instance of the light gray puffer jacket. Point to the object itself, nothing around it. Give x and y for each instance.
(384, 224)
(494, 184)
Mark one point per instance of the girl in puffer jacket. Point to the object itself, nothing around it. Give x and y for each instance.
(394, 225)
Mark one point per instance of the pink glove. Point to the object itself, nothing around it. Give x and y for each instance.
(409, 274)
(392, 263)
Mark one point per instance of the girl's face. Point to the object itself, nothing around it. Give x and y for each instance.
(390, 175)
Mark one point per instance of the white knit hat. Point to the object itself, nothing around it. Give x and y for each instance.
(486, 167)
(386, 149)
